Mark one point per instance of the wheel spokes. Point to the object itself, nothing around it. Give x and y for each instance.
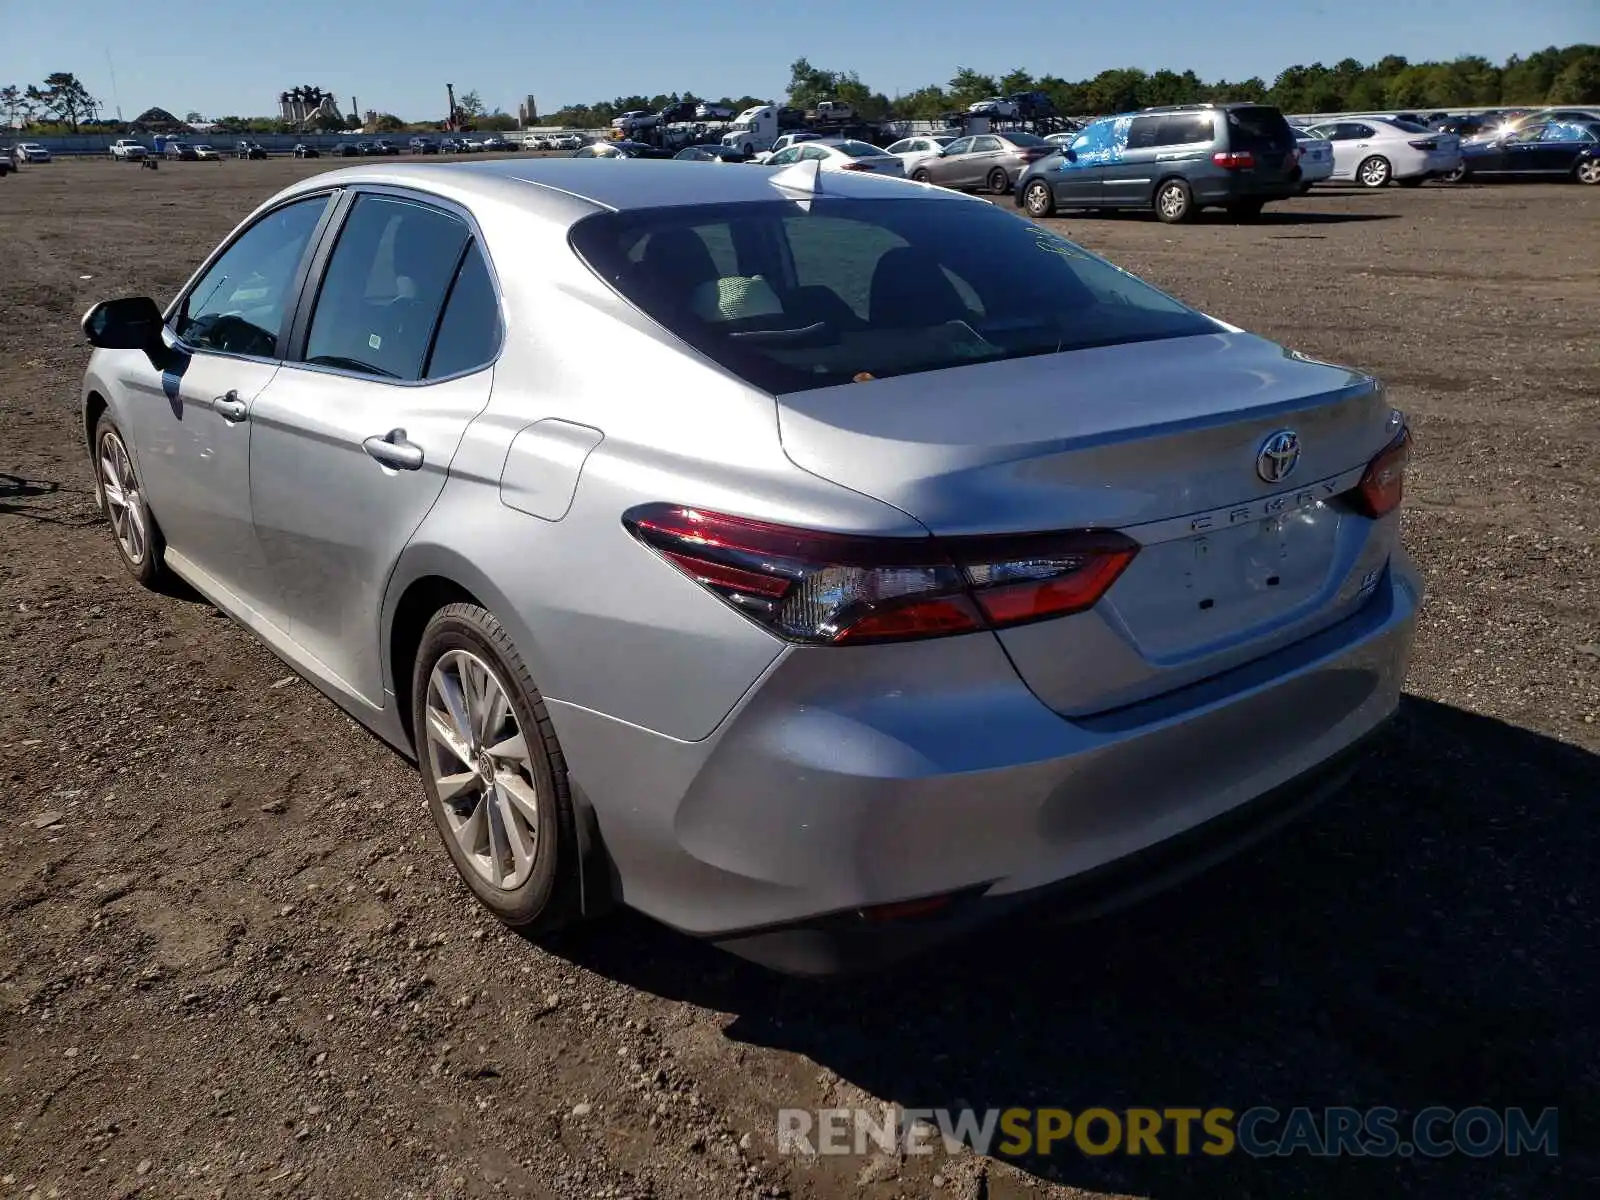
(482, 769)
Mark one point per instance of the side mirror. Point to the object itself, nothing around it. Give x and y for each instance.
(131, 323)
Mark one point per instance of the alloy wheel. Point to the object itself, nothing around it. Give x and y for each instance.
(1038, 199)
(1172, 201)
(1375, 172)
(483, 774)
(1589, 171)
(124, 505)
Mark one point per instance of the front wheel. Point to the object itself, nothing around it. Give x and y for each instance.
(1373, 172)
(116, 483)
(1459, 175)
(1174, 202)
(999, 182)
(1038, 199)
(1587, 171)
(494, 774)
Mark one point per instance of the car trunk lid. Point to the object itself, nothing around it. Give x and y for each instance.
(1158, 439)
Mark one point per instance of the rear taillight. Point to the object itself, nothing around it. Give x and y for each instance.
(1383, 483)
(1030, 153)
(1424, 144)
(1234, 160)
(832, 588)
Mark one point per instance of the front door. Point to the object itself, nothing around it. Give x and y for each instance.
(953, 168)
(352, 442)
(190, 421)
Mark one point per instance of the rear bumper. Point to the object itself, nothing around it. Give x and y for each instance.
(926, 769)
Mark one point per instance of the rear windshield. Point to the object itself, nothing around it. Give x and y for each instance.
(1409, 126)
(1024, 139)
(1259, 124)
(858, 149)
(791, 295)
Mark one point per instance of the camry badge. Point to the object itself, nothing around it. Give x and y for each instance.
(1276, 459)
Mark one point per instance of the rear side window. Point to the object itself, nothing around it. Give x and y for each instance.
(469, 331)
(1187, 128)
(1144, 133)
(384, 287)
(840, 290)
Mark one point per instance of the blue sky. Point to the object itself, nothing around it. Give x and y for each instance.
(396, 55)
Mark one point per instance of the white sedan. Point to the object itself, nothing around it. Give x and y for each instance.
(843, 154)
(1373, 151)
(1316, 159)
(912, 150)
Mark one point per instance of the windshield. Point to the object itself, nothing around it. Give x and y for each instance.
(791, 296)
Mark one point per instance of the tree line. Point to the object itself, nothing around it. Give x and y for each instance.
(1555, 75)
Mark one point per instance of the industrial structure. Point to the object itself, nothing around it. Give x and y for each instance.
(301, 105)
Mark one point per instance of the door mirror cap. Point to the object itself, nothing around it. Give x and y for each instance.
(130, 323)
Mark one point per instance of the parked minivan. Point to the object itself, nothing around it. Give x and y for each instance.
(1175, 160)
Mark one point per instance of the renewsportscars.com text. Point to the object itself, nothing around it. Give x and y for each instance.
(1260, 1132)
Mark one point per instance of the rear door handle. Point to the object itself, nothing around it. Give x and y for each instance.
(229, 407)
(392, 450)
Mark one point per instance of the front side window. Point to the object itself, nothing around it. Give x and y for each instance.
(842, 289)
(238, 306)
(384, 286)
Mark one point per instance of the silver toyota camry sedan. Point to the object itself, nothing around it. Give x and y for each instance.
(822, 564)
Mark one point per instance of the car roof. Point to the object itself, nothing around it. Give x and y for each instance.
(571, 188)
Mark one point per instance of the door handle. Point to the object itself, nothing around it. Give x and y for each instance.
(229, 407)
(392, 450)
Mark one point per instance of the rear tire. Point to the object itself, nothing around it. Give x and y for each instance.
(529, 776)
(921, 176)
(118, 490)
(1039, 199)
(1587, 171)
(1459, 175)
(1174, 203)
(999, 182)
(1374, 172)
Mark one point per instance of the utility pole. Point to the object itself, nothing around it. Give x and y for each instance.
(355, 109)
(450, 112)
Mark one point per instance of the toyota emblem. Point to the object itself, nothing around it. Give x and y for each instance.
(1276, 459)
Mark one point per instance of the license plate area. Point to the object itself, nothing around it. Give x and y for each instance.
(1190, 594)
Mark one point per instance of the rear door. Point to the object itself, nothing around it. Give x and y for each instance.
(1261, 130)
(352, 443)
(1131, 179)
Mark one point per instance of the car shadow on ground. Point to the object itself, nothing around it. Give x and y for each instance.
(1427, 939)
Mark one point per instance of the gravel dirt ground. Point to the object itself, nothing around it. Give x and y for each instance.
(233, 960)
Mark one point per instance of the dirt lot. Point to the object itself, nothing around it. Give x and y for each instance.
(233, 960)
